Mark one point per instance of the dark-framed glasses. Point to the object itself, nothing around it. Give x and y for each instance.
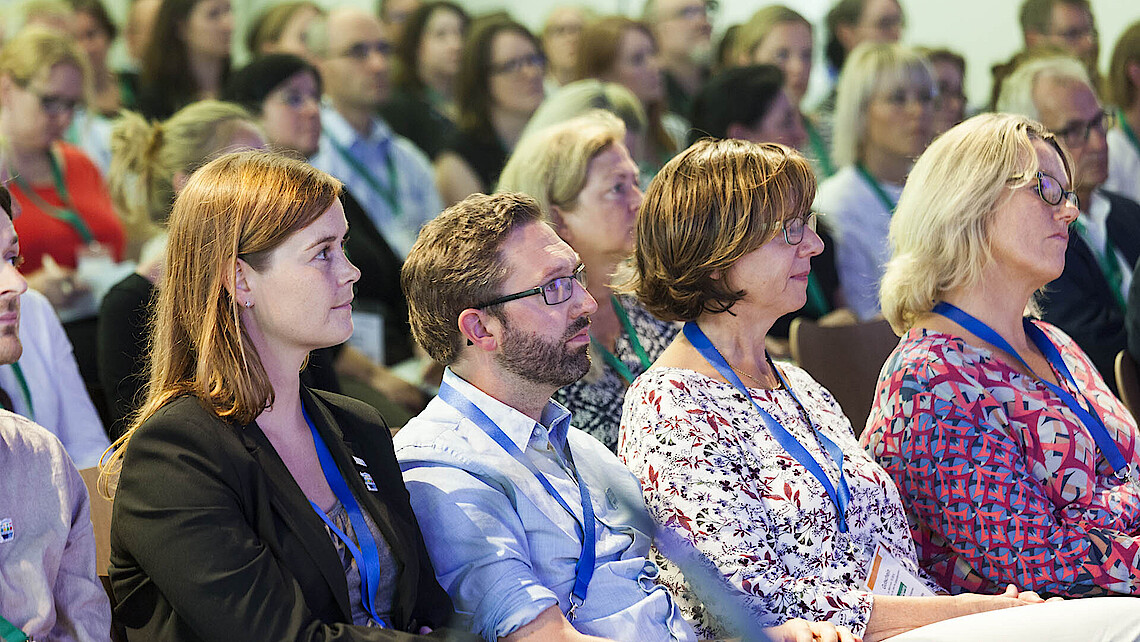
(794, 228)
(1050, 190)
(53, 105)
(1077, 134)
(553, 292)
(515, 65)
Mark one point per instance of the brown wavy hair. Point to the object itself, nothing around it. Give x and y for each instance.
(241, 205)
(712, 204)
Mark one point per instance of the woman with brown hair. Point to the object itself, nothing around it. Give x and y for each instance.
(621, 50)
(498, 88)
(245, 502)
(187, 57)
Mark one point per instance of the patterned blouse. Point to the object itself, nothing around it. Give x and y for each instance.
(713, 474)
(594, 401)
(1003, 484)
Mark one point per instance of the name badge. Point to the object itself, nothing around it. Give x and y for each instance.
(359, 461)
(887, 576)
(368, 482)
(7, 531)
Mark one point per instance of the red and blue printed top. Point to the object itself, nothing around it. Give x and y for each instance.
(1002, 483)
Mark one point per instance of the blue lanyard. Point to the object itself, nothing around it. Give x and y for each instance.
(584, 569)
(1092, 422)
(367, 556)
(841, 497)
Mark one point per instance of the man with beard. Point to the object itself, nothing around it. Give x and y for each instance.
(535, 529)
(48, 585)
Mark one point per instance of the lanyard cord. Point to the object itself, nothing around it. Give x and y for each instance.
(67, 213)
(819, 149)
(584, 569)
(390, 193)
(612, 359)
(1091, 420)
(884, 198)
(840, 497)
(24, 390)
(1109, 265)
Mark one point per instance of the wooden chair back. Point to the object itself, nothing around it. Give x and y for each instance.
(1128, 382)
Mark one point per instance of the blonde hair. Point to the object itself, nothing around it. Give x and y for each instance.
(753, 32)
(245, 205)
(939, 233)
(36, 50)
(871, 67)
(1017, 89)
(145, 156)
(551, 164)
(712, 204)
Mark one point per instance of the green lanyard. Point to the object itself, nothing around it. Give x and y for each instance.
(391, 193)
(884, 198)
(20, 379)
(816, 300)
(1128, 132)
(9, 632)
(67, 213)
(1109, 266)
(611, 358)
(819, 149)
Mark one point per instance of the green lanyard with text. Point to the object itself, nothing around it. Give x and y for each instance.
(391, 193)
(611, 358)
(67, 213)
(819, 149)
(878, 189)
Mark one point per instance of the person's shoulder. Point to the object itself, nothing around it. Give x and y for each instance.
(76, 160)
(22, 438)
(923, 354)
(837, 190)
(35, 308)
(1120, 204)
(409, 150)
(437, 429)
(132, 291)
(182, 420)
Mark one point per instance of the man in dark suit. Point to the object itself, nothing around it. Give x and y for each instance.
(1088, 300)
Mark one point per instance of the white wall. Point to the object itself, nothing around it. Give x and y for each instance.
(985, 31)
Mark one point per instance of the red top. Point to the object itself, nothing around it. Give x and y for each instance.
(41, 233)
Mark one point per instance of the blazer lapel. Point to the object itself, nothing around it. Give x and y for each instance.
(298, 514)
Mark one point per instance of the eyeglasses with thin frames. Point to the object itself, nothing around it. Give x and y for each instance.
(794, 227)
(1077, 134)
(553, 292)
(1050, 190)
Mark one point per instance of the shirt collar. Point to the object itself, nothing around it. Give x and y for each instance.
(517, 426)
(1098, 207)
(337, 128)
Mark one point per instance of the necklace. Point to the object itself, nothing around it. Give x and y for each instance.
(766, 386)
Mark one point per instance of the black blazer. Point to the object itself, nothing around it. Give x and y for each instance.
(212, 539)
(1080, 301)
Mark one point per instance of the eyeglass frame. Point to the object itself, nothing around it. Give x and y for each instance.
(1103, 122)
(54, 105)
(709, 8)
(1067, 195)
(579, 275)
(810, 219)
(518, 63)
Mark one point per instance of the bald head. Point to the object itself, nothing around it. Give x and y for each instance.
(354, 53)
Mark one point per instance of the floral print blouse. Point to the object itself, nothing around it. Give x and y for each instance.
(713, 474)
(1002, 483)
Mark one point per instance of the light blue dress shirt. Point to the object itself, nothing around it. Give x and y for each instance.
(418, 197)
(504, 549)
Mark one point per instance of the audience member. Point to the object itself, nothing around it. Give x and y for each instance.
(48, 14)
(949, 69)
(187, 56)
(422, 106)
(777, 35)
(95, 31)
(137, 32)
(849, 24)
(283, 92)
(751, 103)
(583, 96)
(69, 230)
(683, 30)
(394, 14)
(499, 87)
(287, 505)
(883, 122)
(1087, 301)
(767, 480)
(48, 583)
(1123, 89)
(1067, 24)
(284, 28)
(1005, 475)
(560, 34)
(617, 49)
(385, 172)
(493, 467)
(151, 165)
(586, 185)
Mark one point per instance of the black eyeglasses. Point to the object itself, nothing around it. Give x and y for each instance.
(515, 65)
(362, 50)
(1077, 134)
(1050, 190)
(553, 292)
(794, 228)
(53, 105)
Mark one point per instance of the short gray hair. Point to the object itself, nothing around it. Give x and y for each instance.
(1016, 95)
